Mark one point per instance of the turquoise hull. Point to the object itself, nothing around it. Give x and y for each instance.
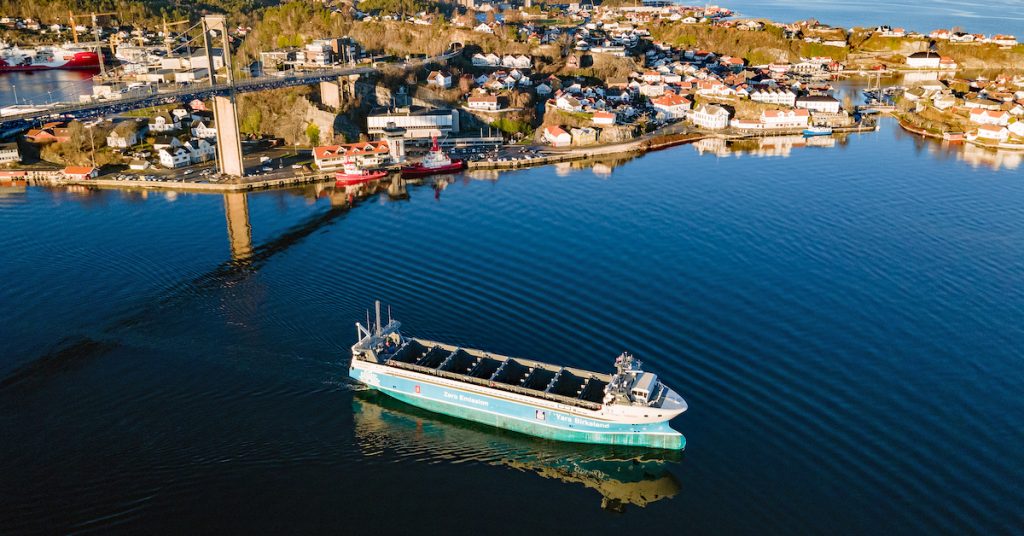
(520, 417)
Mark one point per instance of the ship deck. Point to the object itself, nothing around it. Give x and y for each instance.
(565, 385)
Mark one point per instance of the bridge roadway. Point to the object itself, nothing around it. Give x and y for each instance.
(196, 91)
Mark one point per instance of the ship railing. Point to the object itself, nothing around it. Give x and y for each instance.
(497, 385)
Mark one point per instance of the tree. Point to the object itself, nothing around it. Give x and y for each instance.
(252, 123)
(313, 134)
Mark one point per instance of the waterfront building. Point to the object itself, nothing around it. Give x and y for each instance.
(924, 60)
(365, 154)
(818, 103)
(990, 133)
(796, 118)
(418, 122)
(710, 116)
(80, 172)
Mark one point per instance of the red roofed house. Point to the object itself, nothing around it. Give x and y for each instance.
(796, 118)
(557, 137)
(80, 172)
(990, 133)
(604, 118)
(364, 154)
(672, 105)
(990, 117)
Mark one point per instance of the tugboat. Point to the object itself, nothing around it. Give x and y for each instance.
(627, 407)
(817, 131)
(436, 162)
(351, 175)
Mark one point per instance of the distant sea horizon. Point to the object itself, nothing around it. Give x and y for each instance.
(995, 16)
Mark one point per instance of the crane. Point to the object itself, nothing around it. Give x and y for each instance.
(95, 25)
(95, 30)
(167, 32)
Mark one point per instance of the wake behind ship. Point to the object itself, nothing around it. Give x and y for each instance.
(629, 407)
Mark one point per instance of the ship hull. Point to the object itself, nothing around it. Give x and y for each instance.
(345, 179)
(520, 414)
(424, 171)
(77, 61)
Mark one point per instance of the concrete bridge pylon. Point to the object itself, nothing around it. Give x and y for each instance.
(225, 109)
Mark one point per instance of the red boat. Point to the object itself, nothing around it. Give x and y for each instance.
(47, 57)
(435, 163)
(352, 175)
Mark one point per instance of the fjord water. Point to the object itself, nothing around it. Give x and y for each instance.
(845, 323)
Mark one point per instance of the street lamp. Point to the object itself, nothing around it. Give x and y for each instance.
(15, 89)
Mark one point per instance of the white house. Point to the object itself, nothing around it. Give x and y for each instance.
(174, 158)
(483, 27)
(603, 118)
(201, 129)
(164, 122)
(989, 117)
(818, 103)
(924, 60)
(484, 102)
(1016, 128)
(990, 133)
(486, 60)
(672, 105)
(771, 95)
(710, 116)
(785, 118)
(200, 150)
(557, 137)
(440, 79)
(126, 134)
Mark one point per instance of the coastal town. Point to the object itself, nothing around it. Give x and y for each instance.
(480, 85)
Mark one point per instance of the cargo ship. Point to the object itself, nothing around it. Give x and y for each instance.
(628, 407)
(14, 58)
(435, 162)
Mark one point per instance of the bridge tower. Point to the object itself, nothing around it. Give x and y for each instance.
(225, 109)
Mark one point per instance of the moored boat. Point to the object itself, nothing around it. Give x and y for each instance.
(14, 58)
(351, 175)
(434, 163)
(817, 131)
(627, 407)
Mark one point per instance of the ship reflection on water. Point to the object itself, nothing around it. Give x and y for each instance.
(621, 476)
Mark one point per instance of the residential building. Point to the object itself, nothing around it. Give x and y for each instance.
(484, 102)
(164, 122)
(989, 117)
(710, 116)
(174, 157)
(603, 118)
(440, 79)
(770, 95)
(672, 105)
(126, 134)
(204, 129)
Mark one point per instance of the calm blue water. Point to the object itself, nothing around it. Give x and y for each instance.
(44, 87)
(847, 325)
(993, 16)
